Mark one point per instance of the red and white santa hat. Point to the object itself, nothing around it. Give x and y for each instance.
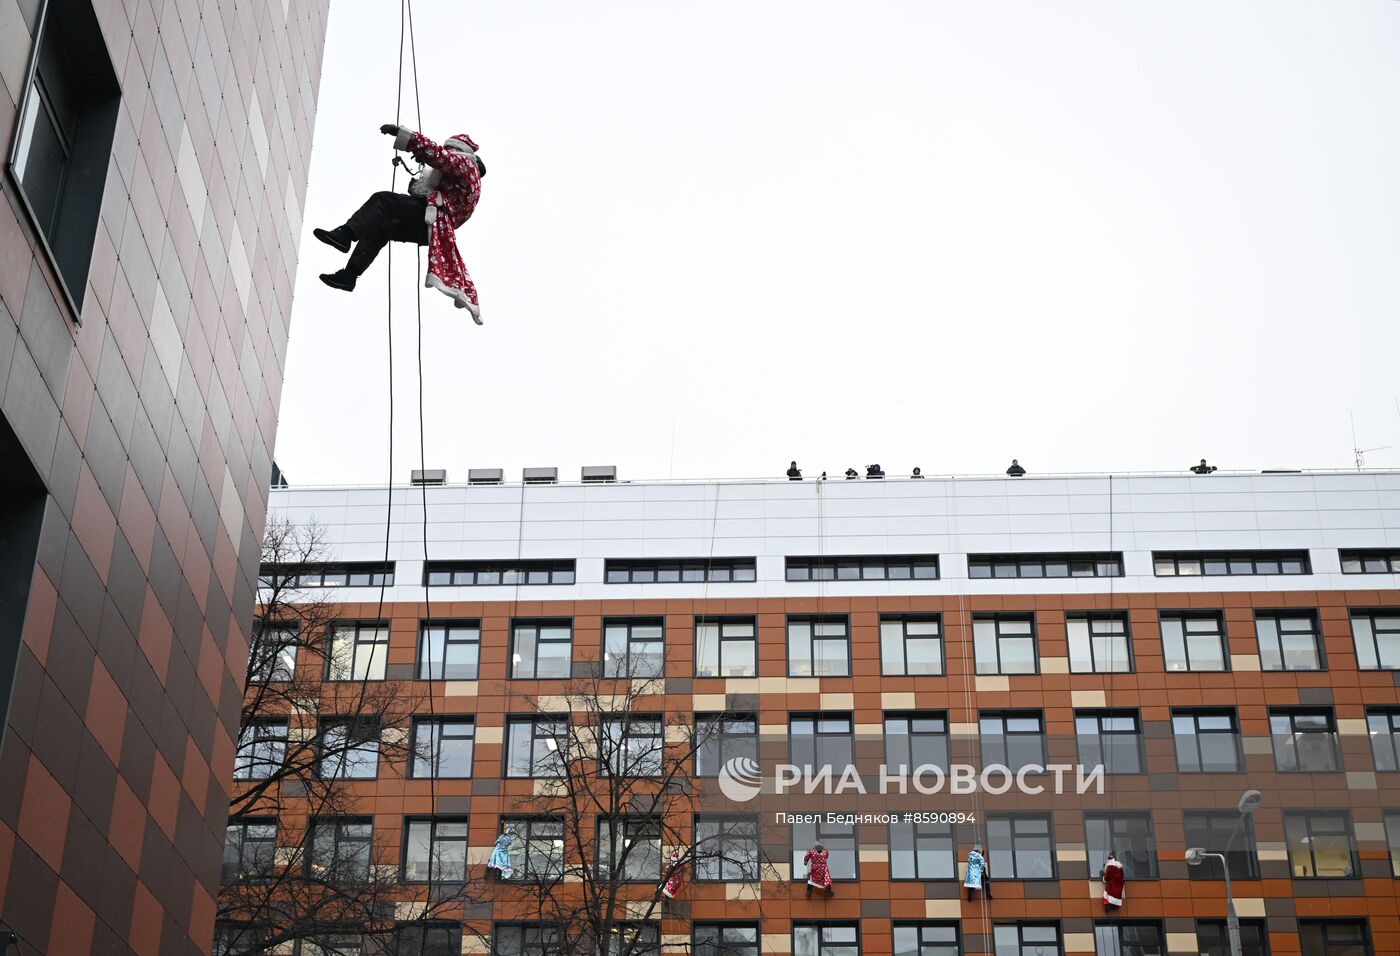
(462, 143)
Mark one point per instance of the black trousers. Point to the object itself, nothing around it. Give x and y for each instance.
(385, 217)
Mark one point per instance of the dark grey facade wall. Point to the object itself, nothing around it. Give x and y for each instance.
(150, 420)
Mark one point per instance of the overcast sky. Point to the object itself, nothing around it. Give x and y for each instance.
(1093, 235)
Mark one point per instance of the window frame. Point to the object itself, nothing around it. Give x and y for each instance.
(535, 720)
(545, 947)
(1182, 618)
(339, 840)
(1322, 924)
(996, 619)
(1005, 716)
(826, 832)
(812, 622)
(376, 667)
(1390, 819)
(721, 947)
(816, 718)
(723, 739)
(902, 641)
(854, 568)
(1370, 615)
(1209, 564)
(424, 663)
(918, 926)
(631, 625)
(724, 840)
(1011, 853)
(1391, 716)
(437, 725)
(821, 926)
(1123, 844)
(1240, 829)
(538, 625)
(1358, 558)
(1311, 834)
(509, 573)
(1260, 929)
(245, 872)
(1098, 716)
(1020, 926)
(1089, 619)
(917, 830)
(653, 828)
(721, 640)
(526, 838)
(250, 737)
(1277, 619)
(1196, 714)
(1292, 715)
(326, 726)
(435, 842)
(622, 744)
(1119, 946)
(911, 735)
(1037, 565)
(321, 574)
(279, 669)
(406, 947)
(680, 571)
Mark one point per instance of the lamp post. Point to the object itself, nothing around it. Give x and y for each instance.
(1249, 802)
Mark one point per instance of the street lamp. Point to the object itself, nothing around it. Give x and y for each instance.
(1249, 802)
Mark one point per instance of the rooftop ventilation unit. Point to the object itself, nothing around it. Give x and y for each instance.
(599, 473)
(485, 476)
(540, 476)
(431, 476)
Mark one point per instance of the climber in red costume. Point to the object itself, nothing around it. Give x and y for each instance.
(439, 199)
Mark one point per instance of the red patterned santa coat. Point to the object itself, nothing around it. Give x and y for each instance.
(452, 196)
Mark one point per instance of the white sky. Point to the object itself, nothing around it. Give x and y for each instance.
(1093, 235)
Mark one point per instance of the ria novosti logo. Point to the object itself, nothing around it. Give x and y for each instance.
(741, 779)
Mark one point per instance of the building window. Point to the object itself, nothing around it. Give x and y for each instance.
(358, 652)
(1098, 643)
(340, 850)
(726, 648)
(922, 851)
(1221, 563)
(1107, 564)
(635, 939)
(249, 850)
(537, 853)
(1349, 937)
(1128, 939)
(262, 746)
(1392, 840)
(825, 939)
(632, 648)
(233, 938)
(1383, 726)
(534, 746)
(334, 944)
(1288, 641)
(349, 749)
(926, 939)
(526, 939)
(915, 740)
(629, 849)
(1370, 561)
(1207, 741)
(631, 746)
(725, 939)
(486, 573)
(442, 747)
(1221, 831)
(1193, 641)
(681, 571)
(1012, 738)
(541, 650)
(428, 939)
(435, 851)
(273, 656)
(1021, 847)
(839, 840)
(1026, 939)
(1111, 738)
(1319, 843)
(1004, 643)
(726, 848)
(449, 650)
(821, 740)
(1213, 938)
(720, 738)
(357, 575)
(1304, 740)
(870, 567)
(1377, 638)
(1128, 836)
(818, 647)
(911, 645)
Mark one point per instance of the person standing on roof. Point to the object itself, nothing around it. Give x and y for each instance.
(439, 199)
(1015, 471)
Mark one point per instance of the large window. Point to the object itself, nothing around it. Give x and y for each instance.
(821, 740)
(1304, 740)
(541, 649)
(442, 747)
(1392, 840)
(1288, 641)
(839, 840)
(1319, 843)
(273, 656)
(249, 849)
(1213, 938)
(1383, 726)
(825, 939)
(1012, 738)
(629, 849)
(332, 944)
(488, 573)
(725, 939)
(926, 939)
(1088, 564)
(634, 938)
(1221, 563)
(234, 938)
(537, 853)
(356, 575)
(340, 850)
(428, 939)
(1129, 939)
(1098, 642)
(349, 749)
(923, 851)
(911, 645)
(870, 567)
(1207, 741)
(680, 571)
(358, 652)
(534, 745)
(631, 746)
(632, 648)
(449, 650)
(818, 647)
(1225, 832)
(915, 740)
(1343, 937)
(435, 851)
(726, 848)
(1026, 939)
(1004, 643)
(1193, 641)
(1370, 560)
(1128, 836)
(726, 648)
(1377, 638)
(1111, 738)
(1021, 847)
(526, 939)
(262, 746)
(720, 738)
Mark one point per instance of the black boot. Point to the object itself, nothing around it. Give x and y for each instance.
(338, 238)
(341, 279)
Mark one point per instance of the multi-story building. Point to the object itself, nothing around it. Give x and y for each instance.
(1194, 637)
(155, 166)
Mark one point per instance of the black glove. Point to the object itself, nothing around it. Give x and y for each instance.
(389, 129)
